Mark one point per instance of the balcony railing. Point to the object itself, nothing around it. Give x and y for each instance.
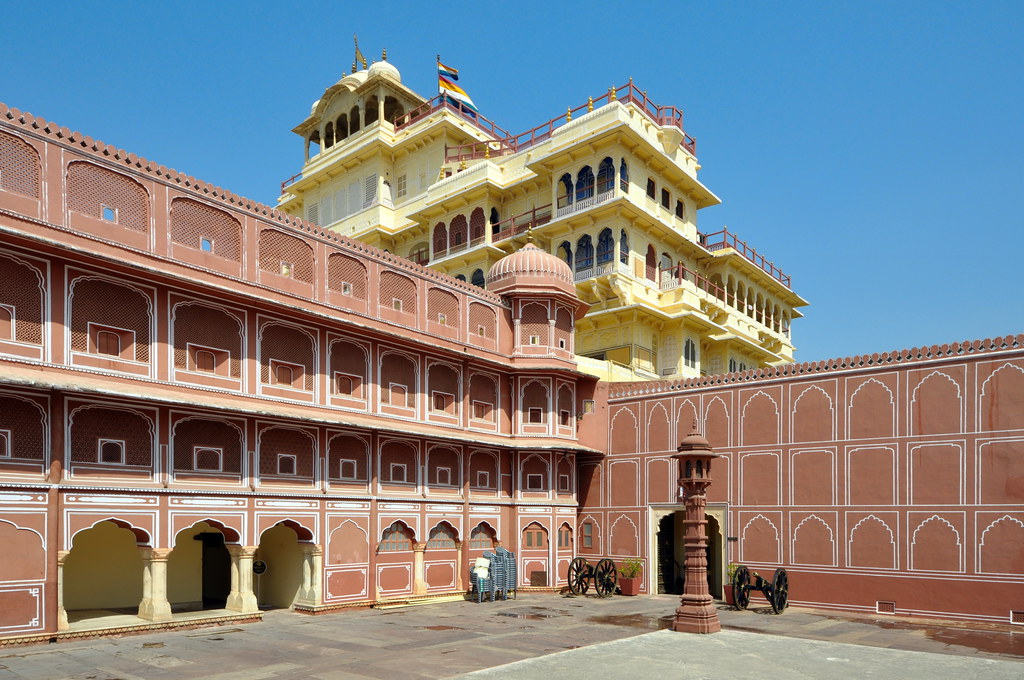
(603, 269)
(671, 278)
(517, 224)
(627, 94)
(583, 203)
(720, 240)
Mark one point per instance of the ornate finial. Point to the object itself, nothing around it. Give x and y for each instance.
(568, 113)
(487, 150)
(355, 67)
(462, 165)
(590, 104)
(695, 430)
(631, 80)
(612, 96)
(384, 54)
(529, 234)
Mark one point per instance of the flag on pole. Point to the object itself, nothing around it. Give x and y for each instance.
(446, 77)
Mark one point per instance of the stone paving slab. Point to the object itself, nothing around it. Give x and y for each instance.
(445, 640)
(736, 655)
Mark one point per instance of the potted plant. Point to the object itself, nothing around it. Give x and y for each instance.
(630, 576)
(730, 572)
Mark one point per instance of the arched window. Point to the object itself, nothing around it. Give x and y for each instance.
(651, 191)
(680, 210)
(371, 110)
(623, 175)
(494, 219)
(353, 120)
(459, 233)
(440, 239)
(329, 136)
(564, 190)
(478, 278)
(476, 225)
(341, 127)
(651, 263)
(565, 253)
(314, 144)
(461, 277)
(482, 537)
(623, 247)
(392, 109)
(584, 253)
(606, 176)
(396, 537)
(584, 183)
(605, 247)
(442, 536)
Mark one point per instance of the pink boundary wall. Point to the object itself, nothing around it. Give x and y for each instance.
(890, 478)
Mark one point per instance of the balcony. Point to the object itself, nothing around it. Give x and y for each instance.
(720, 240)
(603, 269)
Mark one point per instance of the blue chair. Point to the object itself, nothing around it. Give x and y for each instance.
(498, 584)
(509, 559)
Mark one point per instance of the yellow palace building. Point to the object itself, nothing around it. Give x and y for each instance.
(610, 186)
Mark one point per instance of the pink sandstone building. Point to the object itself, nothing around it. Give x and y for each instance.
(208, 406)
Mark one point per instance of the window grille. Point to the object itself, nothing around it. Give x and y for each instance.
(19, 166)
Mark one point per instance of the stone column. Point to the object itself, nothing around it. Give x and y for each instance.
(696, 612)
(311, 591)
(241, 598)
(154, 605)
(460, 562)
(62, 614)
(419, 576)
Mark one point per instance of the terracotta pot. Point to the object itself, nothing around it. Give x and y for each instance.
(630, 586)
(727, 591)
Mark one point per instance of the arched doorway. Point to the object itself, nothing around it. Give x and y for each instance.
(278, 585)
(670, 557)
(534, 555)
(103, 572)
(199, 569)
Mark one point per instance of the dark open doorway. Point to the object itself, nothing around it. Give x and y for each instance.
(216, 570)
(672, 556)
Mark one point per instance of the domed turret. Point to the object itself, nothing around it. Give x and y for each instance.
(386, 69)
(530, 269)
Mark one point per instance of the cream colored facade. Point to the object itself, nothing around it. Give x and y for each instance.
(610, 186)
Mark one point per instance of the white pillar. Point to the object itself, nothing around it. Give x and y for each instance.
(154, 605)
(419, 575)
(311, 592)
(62, 614)
(242, 598)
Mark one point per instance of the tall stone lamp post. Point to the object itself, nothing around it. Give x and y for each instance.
(696, 612)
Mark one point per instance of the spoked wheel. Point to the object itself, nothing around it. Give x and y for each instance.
(577, 577)
(741, 587)
(606, 578)
(780, 590)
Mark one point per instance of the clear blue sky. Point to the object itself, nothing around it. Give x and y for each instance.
(873, 150)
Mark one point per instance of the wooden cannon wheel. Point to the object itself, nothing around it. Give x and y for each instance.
(579, 576)
(606, 578)
(780, 591)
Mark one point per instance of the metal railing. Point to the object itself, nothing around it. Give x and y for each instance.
(720, 240)
(517, 224)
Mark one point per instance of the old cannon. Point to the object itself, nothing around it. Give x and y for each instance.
(775, 591)
(603, 575)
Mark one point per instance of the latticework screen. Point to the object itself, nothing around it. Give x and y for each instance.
(398, 463)
(26, 426)
(286, 255)
(204, 433)
(21, 287)
(279, 440)
(394, 287)
(19, 166)
(534, 322)
(439, 460)
(398, 369)
(91, 424)
(208, 327)
(289, 345)
(347, 447)
(192, 221)
(109, 304)
(442, 307)
(482, 318)
(346, 275)
(91, 188)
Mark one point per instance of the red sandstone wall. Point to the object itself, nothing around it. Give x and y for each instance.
(894, 478)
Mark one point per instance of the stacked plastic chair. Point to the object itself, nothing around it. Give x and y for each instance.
(497, 575)
(509, 559)
(481, 585)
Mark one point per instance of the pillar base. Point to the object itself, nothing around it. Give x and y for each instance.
(155, 610)
(696, 616)
(62, 619)
(243, 603)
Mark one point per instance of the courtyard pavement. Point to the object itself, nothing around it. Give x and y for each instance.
(537, 636)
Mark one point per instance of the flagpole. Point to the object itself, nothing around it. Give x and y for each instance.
(438, 74)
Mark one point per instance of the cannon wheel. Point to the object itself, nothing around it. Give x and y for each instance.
(780, 590)
(579, 571)
(741, 587)
(606, 578)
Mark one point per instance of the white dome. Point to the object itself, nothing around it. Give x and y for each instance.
(312, 109)
(385, 68)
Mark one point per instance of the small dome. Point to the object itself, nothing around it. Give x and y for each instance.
(530, 268)
(384, 68)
